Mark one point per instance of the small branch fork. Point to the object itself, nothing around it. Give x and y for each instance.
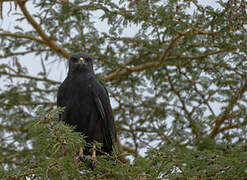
(227, 113)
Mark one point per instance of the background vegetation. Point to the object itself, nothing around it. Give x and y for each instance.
(178, 86)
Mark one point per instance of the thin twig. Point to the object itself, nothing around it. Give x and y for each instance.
(8, 34)
(30, 77)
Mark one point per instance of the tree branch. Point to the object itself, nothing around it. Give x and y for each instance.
(9, 128)
(148, 65)
(28, 103)
(200, 94)
(226, 114)
(8, 0)
(8, 34)
(55, 47)
(194, 128)
(227, 128)
(22, 53)
(30, 77)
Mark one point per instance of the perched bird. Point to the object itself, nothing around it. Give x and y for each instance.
(87, 104)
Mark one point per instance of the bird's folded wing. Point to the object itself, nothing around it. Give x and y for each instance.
(107, 117)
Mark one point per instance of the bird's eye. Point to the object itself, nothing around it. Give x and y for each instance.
(87, 59)
(73, 59)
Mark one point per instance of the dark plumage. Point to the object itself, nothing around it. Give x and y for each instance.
(87, 104)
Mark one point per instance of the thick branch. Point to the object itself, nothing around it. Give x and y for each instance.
(55, 47)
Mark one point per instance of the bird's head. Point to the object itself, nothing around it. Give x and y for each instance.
(80, 62)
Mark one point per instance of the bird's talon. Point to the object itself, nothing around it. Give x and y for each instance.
(88, 160)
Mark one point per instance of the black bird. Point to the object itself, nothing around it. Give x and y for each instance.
(87, 104)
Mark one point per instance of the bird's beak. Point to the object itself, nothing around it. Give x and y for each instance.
(82, 60)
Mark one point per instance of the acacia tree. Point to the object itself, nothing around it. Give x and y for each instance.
(178, 86)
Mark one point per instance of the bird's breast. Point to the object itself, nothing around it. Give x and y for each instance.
(81, 87)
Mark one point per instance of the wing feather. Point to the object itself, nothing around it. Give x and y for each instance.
(103, 105)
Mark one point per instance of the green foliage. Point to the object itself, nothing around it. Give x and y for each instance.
(175, 72)
(179, 162)
(50, 152)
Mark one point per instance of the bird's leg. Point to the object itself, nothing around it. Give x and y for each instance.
(94, 152)
(78, 158)
(81, 155)
(87, 158)
(81, 152)
(93, 157)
